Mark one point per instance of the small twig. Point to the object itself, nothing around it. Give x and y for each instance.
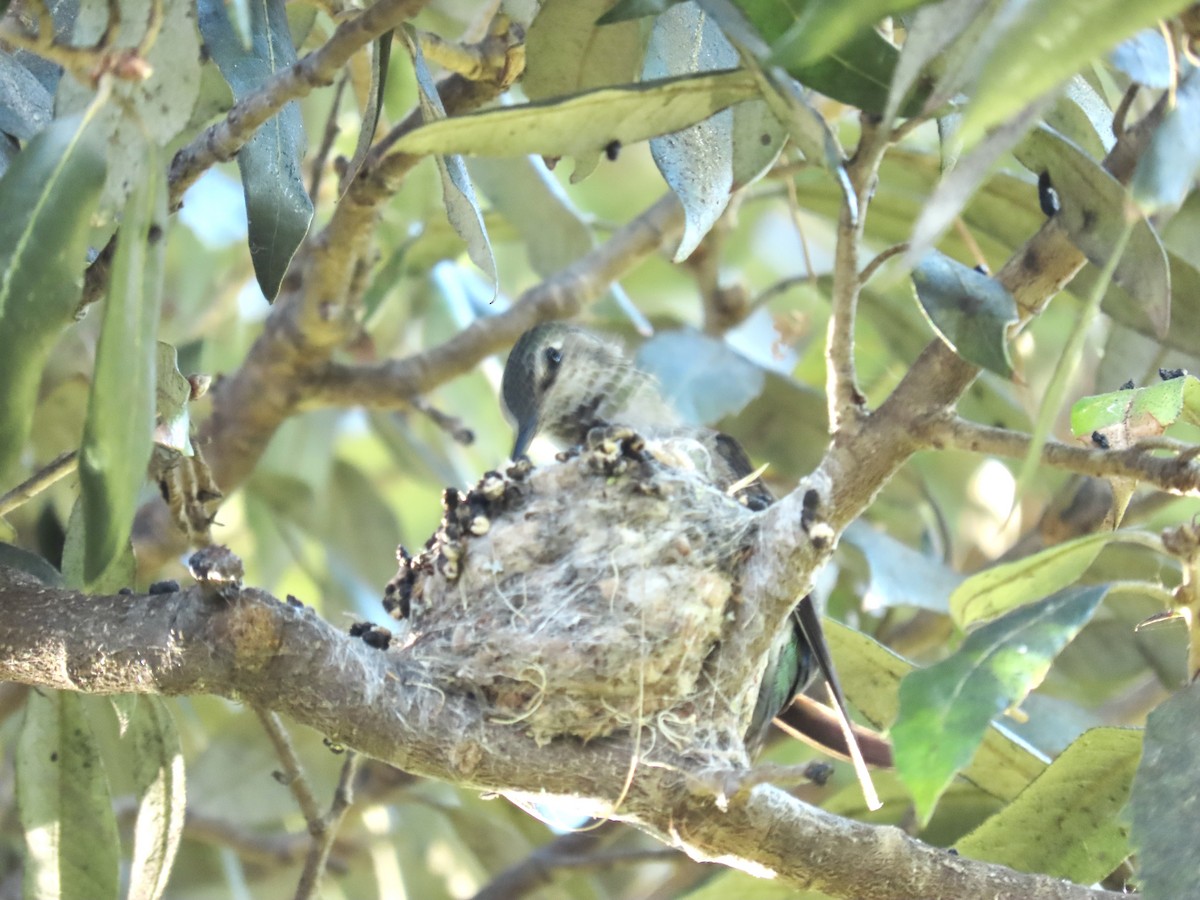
(452, 425)
(327, 139)
(793, 203)
(293, 772)
(870, 268)
(539, 867)
(972, 245)
(1176, 475)
(59, 467)
(323, 840)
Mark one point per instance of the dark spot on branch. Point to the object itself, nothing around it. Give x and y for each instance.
(1100, 440)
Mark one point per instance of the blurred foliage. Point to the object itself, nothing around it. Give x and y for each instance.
(740, 326)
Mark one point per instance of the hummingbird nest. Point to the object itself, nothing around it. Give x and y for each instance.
(579, 598)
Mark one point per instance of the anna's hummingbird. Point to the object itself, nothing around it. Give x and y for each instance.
(563, 381)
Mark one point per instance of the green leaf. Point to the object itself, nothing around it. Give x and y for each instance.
(567, 51)
(277, 203)
(826, 25)
(1001, 588)
(1124, 417)
(457, 193)
(117, 433)
(1093, 209)
(945, 709)
(900, 576)
(119, 573)
(1065, 823)
(48, 195)
(160, 105)
(1165, 807)
(584, 122)
(381, 54)
(159, 783)
(696, 162)
(635, 9)
(871, 675)
(970, 311)
(71, 843)
(1046, 42)
(1167, 170)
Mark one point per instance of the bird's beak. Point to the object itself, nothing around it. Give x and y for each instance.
(525, 432)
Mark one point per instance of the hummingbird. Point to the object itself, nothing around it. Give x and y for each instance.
(561, 380)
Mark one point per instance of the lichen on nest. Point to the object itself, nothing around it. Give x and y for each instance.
(578, 598)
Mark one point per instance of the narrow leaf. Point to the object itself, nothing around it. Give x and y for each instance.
(1167, 170)
(584, 122)
(826, 25)
(117, 434)
(119, 573)
(71, 843)
(1001, 588)
(159, 783)
(457, 193)
(48, 195)
(697, 161)
(381, 54)
(1045, 43)
(1066, 823)
(277, 203)
(945, 709)
(970, 311)
(1165, 807)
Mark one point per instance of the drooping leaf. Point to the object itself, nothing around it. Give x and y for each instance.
(1007, 586)
(970, 311)
(160, 105)
(871, 674)
(569, 50)
(900, 576)
(1065, 824)
(1167, 170)
(1093, 210)
(117, 433)
(71, 842)
(1047, 41)
(277, 203)
(457, 193)
(697, 162)
(1123, 417)
(1166, 798)
(159, 783)
(381, 54)
(946, 708)
(702, 376)
(584, 122)
(48, 195)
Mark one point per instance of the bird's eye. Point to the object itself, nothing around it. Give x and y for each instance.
(553, 357)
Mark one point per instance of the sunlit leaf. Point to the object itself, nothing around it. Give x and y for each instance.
(1065, 823)
(1000, 588)
(946, 708)
(1166, 798)
(703, 377)
(1045, 42)
(1123, 417)
(117, 433)
(48, 195)
(572, 47)
(589, 121)
(71, 842)
(1144, 58)
(277, 202)
(969, 310)
(159, 784)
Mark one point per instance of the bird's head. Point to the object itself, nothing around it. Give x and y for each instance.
(552, 379)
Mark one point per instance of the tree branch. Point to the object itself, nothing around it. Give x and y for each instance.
(254, 648)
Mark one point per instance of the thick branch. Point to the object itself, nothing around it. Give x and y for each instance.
(261, 651)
